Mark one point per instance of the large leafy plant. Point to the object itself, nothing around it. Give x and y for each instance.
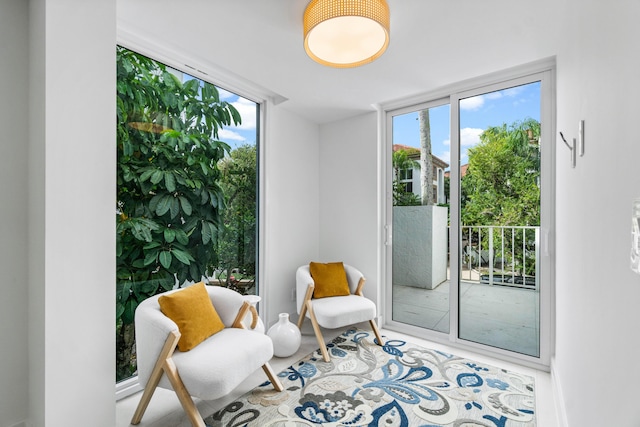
(169, 200)
(501, 187)
(237, 238)
(502, 182)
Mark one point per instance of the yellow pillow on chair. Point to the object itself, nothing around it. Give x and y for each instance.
(330, 279)
(191, 309)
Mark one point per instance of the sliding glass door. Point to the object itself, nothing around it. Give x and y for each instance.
(470, 213)
(499, 224)
(420, 255)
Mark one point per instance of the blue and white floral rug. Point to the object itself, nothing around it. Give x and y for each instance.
(400, 384)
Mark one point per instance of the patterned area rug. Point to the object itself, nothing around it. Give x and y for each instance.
(400, 384)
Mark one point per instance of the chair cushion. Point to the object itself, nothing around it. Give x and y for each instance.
(192, 310)
(341, 311)
(221, 362)
(330, 279)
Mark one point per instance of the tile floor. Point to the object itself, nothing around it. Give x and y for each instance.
(165, 410)
(499, 316)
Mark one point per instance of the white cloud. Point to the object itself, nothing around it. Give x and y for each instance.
(470, 136)
(464, 156)
(229, 135)
(514, 91)
(477, 102)
(473, 103)
(225, 94)
(446, 156)
(247, 110)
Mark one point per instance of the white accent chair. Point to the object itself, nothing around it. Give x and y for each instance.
(334, 312)
(213, 368)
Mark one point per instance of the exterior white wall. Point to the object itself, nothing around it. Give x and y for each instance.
(597, 294)
(14, 26)
(291, 207)
(349, 195)
(71, 223)
(420, 237)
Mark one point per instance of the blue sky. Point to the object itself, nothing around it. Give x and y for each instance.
(246, 132)
(476, 114)
(234, 135)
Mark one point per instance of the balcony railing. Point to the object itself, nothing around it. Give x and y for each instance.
(501, 255)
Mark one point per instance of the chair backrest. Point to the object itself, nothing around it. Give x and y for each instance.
(303, 279)
(153, 327)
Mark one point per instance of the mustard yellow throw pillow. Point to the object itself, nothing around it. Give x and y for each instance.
(191, 309)
(330, 279)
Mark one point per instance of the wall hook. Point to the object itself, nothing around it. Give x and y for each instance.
(572, 148)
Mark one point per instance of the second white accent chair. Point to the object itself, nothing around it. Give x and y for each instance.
(335, 311)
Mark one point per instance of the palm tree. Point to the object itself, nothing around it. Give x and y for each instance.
(426, 163)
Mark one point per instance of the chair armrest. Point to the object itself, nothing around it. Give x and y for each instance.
(303, 280)
(360, 286)
(355, 279)
(152, 330)
(227, 303)
(237, 323)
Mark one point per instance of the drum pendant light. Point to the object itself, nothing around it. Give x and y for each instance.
(346, 33)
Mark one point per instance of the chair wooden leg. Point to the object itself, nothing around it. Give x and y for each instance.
(167, 350)
(277, 385)
(376, 332)
(307, 299)
(303, 313)
(183, 395)
(318, 333)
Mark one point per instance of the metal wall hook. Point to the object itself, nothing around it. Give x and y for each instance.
(572, 148)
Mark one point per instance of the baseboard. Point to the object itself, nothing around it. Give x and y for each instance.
(561, 412)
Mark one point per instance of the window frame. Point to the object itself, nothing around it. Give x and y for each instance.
(223, 80)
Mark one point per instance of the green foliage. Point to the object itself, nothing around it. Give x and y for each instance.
(237, 242)
(169, 198)
(401, 197)
(402, 161)
(501, 185)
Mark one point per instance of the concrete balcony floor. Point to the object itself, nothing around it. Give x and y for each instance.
(499, 316)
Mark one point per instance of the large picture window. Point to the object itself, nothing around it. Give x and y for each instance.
(186, 192)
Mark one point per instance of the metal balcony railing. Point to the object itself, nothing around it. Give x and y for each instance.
(501, 255)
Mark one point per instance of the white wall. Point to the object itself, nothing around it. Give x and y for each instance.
(71, 213)
(326, 211)
(349, 223)
(598, 297)
(292, 206)
(14, 25)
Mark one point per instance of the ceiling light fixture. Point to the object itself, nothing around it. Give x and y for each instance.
(346, 33)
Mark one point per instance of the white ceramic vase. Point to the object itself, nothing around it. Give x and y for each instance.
(285, 336)
(253, 300)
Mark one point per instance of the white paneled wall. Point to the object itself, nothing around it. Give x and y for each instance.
(72, 187)
(597, 294)
(13, 210)
(349, 197)
(291, 206)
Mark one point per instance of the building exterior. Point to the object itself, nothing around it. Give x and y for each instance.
(410, 178)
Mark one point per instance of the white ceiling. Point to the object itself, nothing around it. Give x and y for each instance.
(433, 43)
